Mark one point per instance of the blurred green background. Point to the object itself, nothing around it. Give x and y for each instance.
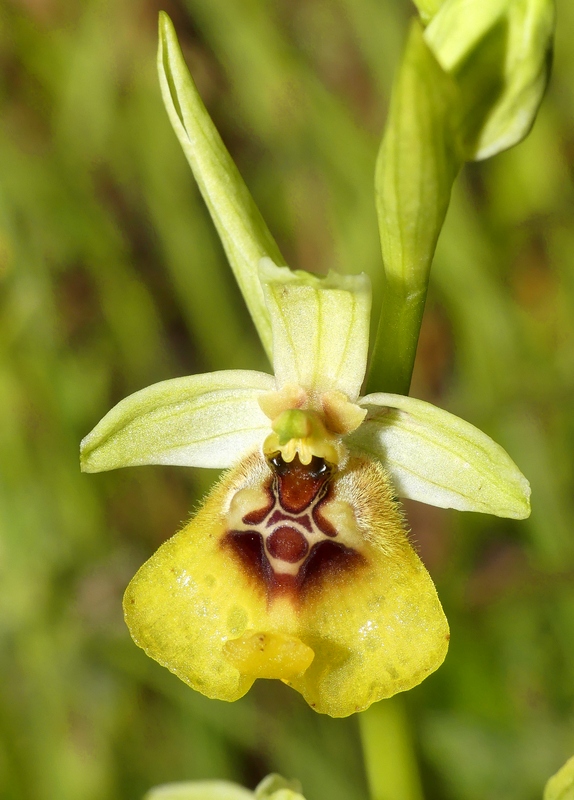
(112, 278)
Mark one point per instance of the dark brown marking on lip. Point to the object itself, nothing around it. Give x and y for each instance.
(298, 488)
(256, 517)
(279, 516)
(323, 524)
(299, 484)
(282, 585)
(287, 544)
(327, 560)
(248, 548)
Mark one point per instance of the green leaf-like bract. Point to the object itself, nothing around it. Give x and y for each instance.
(417, 164)
(241, 228)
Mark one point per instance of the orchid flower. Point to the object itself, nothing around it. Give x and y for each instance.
(298, 565)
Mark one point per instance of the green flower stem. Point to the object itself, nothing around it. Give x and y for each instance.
(395, 347)
(390, 760)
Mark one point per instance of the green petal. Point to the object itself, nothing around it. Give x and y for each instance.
(440, 459)
(200, 790)
(200, 421)
(241, 227)
(561, 785)
(320, 328)
(417, 163)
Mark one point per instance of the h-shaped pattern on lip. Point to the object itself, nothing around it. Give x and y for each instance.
(288, 544)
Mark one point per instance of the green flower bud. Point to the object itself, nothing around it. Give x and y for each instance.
(273, 787)
(561, 785)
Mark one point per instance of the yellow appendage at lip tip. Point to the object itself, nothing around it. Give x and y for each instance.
(269, 655)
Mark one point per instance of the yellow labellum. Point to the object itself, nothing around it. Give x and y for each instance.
(297, 572)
